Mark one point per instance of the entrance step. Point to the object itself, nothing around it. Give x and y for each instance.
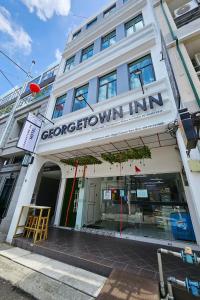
(126, 285)
(84, 282)
(64, 257)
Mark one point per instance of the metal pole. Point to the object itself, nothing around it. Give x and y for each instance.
(88, 104)
(161, 276)
(10, 118)
(141, 83)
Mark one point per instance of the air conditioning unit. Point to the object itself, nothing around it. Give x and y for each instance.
(197, 59)
(185, 8)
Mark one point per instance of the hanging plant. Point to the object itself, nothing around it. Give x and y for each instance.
(123, 156)
(82, 161)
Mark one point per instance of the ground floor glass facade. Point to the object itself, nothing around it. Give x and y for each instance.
(152, 206)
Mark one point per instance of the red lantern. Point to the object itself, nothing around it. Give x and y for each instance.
(34, 88)
(137, 170)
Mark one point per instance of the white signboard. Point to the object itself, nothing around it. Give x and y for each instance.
(107, 195)
(142, 194)
(30, 133)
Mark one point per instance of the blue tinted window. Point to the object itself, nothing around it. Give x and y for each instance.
(109, 10)
(80, 94)
(69, 64)
(59, 106)
(108, 40)
(87, 53)
(108, 86)
(145, 65)
(134, 25)
(91, 23)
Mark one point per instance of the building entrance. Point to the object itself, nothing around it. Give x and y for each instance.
(47, 187)
(152, 206)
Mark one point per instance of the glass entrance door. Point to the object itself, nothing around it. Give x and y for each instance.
(5, 196)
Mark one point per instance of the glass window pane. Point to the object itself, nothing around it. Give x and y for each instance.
(87, 53)
(82, 91)
(59, 106)
(69, 64)
(139, 25)
(134, 25)
(147, 72)
(102, 92)
(108, 86)
(108, 40)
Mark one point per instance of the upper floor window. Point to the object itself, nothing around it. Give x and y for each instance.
(69, 64)
(108, 11)
(87, 52)
(76, 34)
(125, 1)
(80, 94)
(134, 25)
(108, 40)
(108, 86)
(145, 66)
(49, 74)
(59, 106)
(91, 23)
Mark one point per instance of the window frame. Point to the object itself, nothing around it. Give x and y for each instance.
(135, 62)
(64, 95)
(72, 57)
(91, 23)
(75, 96)
(125, 25)
(109, 10)
(84, 50)
(105, 36)
(76, 34)
(106, 84)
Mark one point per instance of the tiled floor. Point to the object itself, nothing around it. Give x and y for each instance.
(102, 254)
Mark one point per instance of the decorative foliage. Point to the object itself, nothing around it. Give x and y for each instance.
(82, 161)
(123, 156)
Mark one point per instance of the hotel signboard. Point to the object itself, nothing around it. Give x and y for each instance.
(104, 117)
(30, 133)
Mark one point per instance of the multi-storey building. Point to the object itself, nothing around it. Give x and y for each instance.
(12, 171)
(112, 168)
(179, 22)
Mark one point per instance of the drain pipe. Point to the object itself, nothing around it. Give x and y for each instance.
(175, 38)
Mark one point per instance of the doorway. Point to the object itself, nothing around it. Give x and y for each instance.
(5, 196)
(47, 187)
(70, 207)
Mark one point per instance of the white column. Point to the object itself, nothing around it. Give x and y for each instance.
(60, 201)
(26, 193)
(194, 184)
(79, 216)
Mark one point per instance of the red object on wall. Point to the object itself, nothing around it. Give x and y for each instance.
(137, 170)
(34, 88)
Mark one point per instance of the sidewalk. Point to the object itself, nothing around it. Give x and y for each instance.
(45, 278)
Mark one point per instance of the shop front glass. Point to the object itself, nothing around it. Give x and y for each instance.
(152, 206)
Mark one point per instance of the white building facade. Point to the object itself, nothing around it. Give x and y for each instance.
(113, 62)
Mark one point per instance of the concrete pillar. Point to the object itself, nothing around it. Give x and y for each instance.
(97, 46)
(122, 79)
(119, 3)
(79, 215)
(60, 201)
(78, 57)
(194, 182)
(26, 193)
(93, 90)
(120, 32)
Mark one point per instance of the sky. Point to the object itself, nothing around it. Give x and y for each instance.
(37, 30)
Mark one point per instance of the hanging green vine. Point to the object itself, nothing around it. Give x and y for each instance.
(123, 156)
(82, 161)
